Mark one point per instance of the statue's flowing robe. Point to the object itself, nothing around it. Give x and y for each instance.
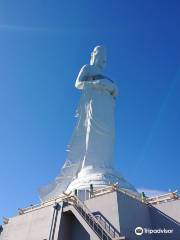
(92, 141)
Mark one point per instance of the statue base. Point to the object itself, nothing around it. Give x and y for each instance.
(99, 178)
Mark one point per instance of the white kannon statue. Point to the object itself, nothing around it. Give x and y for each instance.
(91, 150)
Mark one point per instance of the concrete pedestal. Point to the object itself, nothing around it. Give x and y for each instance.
(121, 211)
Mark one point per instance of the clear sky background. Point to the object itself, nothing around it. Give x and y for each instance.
(43, 45)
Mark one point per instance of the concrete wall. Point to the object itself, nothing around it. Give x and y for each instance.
(132, 214)
(34, 225)
(122, 212)
(171, 209)
(71, 229)
(65, 227)
(164, 216)
(78, 232)
(107, 206)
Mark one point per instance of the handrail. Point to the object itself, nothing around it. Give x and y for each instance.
(64, 196)
(47, 203)
(96, 193)
(163, 198)
(107, 225)
(113, 188)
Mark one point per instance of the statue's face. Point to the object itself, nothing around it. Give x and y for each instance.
(98, 57)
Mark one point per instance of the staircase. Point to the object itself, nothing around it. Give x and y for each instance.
(100, 226)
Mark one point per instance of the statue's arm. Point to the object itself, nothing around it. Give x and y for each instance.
(85, 79)
(82, 77)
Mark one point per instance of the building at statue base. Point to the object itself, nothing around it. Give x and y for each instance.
(109, 214)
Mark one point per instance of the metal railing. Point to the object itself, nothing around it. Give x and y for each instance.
(113, 232)
(99, 192)
(163, 198)
(64, 196)
(114, 187)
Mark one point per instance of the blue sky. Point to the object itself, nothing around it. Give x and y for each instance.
(43, 44)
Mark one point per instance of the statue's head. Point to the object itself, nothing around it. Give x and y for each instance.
(98, 57)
